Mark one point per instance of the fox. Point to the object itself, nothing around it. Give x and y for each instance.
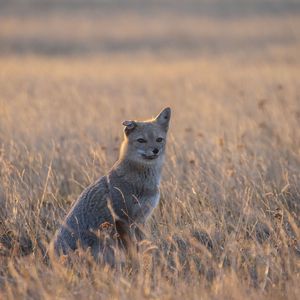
(122, 201)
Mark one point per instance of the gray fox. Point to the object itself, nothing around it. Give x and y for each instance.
(120, 202)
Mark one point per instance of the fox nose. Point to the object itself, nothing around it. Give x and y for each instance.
(155, 150)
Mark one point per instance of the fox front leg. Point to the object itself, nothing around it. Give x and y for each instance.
(126, 235)
(128, 242)
(139, 234)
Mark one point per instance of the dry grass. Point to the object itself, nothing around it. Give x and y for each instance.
(227, 226)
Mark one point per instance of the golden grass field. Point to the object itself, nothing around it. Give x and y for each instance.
(227, 226)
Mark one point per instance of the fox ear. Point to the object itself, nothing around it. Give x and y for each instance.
(163, 117)
(129, 126)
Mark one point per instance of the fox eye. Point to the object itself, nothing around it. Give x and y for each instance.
(159, 140)
(140, 140)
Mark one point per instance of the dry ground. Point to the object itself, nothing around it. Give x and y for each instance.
(227, 226)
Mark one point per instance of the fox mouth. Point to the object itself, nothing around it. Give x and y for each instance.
(150, 157)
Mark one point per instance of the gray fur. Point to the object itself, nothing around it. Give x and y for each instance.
(124, 198)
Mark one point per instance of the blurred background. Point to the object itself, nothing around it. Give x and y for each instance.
(147, 27)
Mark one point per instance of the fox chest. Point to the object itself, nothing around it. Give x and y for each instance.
(142, 208)
(135, 205)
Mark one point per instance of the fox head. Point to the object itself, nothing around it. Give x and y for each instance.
(145, 141)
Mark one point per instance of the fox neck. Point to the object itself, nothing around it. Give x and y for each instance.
(138, 167)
